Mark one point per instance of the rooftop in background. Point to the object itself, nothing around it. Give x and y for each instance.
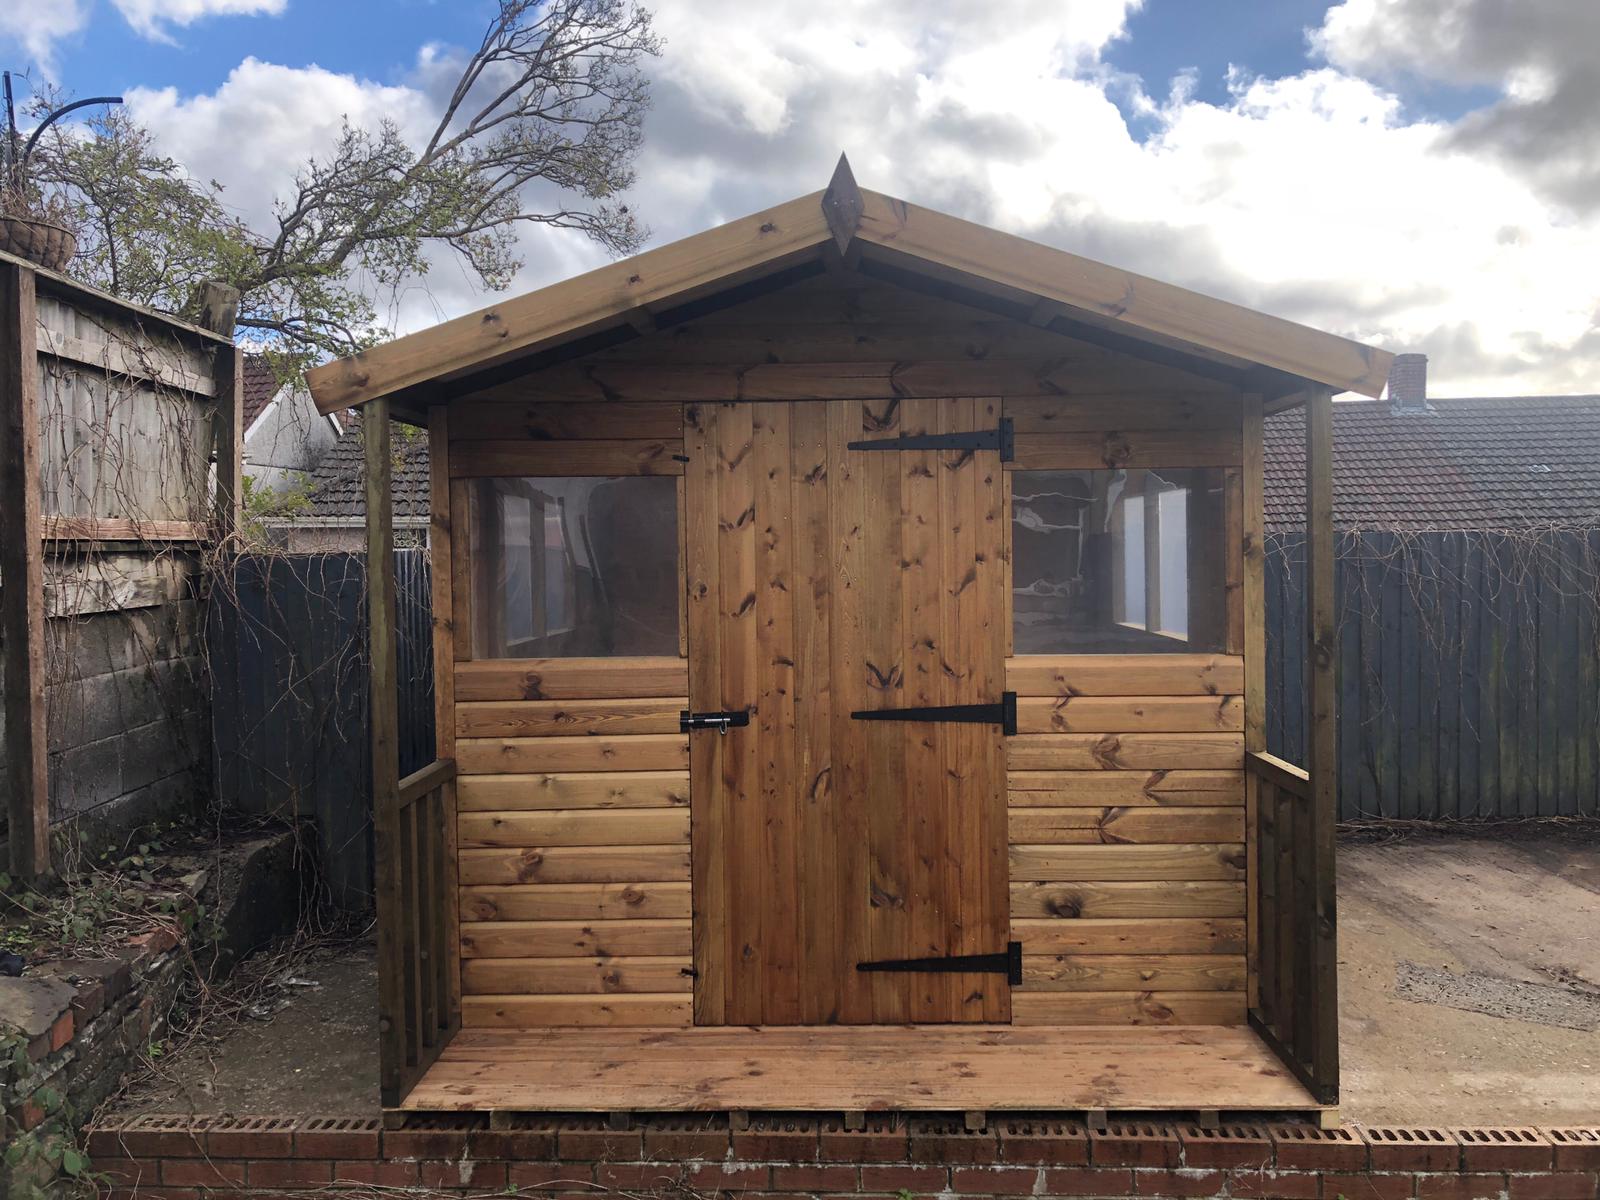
(336, 481)
(1411, 462)
(260, 386)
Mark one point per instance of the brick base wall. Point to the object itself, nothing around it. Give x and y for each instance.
(776, 1159)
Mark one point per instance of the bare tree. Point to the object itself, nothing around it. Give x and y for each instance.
(541, 127)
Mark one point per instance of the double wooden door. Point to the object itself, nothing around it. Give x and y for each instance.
(823, 581)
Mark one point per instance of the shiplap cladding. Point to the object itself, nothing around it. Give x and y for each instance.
(1125, 808)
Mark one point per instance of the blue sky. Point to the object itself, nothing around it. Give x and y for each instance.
(1422, 174)
(378, 40)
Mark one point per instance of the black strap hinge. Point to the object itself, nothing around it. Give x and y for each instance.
(1003, 714)
(1007, 963)
(1000, 438)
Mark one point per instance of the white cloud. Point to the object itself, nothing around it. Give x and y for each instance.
(150, 18)
(1315, 196)
(37, 27)
(259, 127)
(1539, 57)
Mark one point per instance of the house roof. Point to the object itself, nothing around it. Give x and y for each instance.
(337, 487)
(260, 385)
(1049, 287)
(1488, 462)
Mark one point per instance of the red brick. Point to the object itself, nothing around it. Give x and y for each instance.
(676, 1140)
(130, 1172)
(513, 1145)
(777, 1140)
(572, 1176)
(1412, 1149)
(880, 1141)
(1305, 1147)
(1135, 1144)
(1088, 1181)
(1576, 1149)
(62, 1029)
(590, 1141)
(251, 1137)
(1481, 1186)
(201, 1172)
(105, 1141)
(423, 1142)
(89, 1001)
(165, 1137)
(902, 1178)
(387, 1174)
(336, 1137)
(1178, 1181)
(292, 1172)
(994, 1181)
(933, 1140)
(633, 1177)
(1045, 1143)
(728, 1177)
(1226, 1146)
(1507, 1148)
(1273, 1185)
(1578, 1185)
(812, 1177)
(1369, 1185)
(28, 1115)
(480, 1177)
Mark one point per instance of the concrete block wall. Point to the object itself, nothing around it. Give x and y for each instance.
(127, 703)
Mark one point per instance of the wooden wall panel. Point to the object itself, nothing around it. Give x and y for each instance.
(1127, 831)
(573, 801)
(1125, 788)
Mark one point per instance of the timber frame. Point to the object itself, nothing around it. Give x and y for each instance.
(1142, 375)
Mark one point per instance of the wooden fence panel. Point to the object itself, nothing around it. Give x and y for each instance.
(289, 695)
(1469, 671)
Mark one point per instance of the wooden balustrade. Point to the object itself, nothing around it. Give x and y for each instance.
(1296, 1011)
(423, 994)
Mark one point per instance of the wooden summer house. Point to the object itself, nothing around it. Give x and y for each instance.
(849, 664)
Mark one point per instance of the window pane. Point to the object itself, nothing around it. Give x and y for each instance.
(566, 568)
(1124, 562)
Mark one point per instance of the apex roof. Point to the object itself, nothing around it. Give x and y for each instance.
(846, 224)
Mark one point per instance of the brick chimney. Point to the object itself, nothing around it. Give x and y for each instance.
(1408, 383)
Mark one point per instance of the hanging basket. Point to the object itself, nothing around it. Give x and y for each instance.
(43, 242)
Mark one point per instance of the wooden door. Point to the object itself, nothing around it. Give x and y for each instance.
(821, 581)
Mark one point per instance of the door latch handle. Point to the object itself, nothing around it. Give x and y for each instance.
(720, 721)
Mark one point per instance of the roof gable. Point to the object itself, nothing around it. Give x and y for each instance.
(1059, 289)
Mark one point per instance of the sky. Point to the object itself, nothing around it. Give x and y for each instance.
(1419, 174)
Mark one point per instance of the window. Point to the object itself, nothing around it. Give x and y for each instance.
(566, 568)
(1126, 562)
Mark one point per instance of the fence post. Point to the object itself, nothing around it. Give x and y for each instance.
(384, 719)
(22, 628)
(1322, 744)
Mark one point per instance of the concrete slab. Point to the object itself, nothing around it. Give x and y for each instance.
(1503, 919)
(1470, 980)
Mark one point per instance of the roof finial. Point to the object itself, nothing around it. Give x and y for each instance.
(842, 205)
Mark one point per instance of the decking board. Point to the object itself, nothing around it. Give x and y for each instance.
(871, 1068)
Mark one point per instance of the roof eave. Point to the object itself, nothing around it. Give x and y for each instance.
(415, 370)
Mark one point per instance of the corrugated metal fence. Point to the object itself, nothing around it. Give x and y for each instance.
(287, 643)
(1469, 671)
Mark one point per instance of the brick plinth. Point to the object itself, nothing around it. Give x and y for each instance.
(174, 1158)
